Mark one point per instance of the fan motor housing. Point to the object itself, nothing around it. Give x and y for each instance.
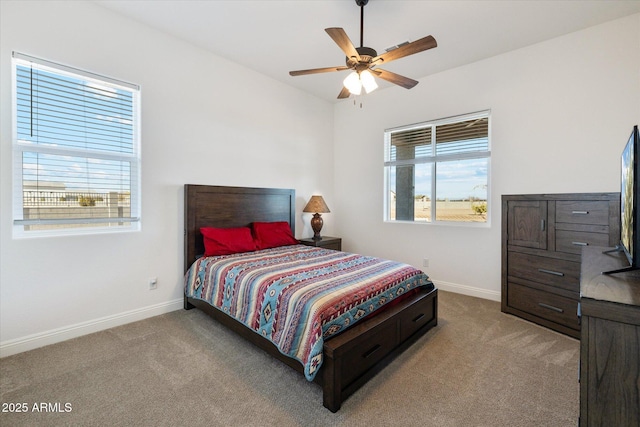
(366, 55)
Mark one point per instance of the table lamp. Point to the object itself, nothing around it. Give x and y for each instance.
(316, 206)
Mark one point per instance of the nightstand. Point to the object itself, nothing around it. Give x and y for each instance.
(326, 242)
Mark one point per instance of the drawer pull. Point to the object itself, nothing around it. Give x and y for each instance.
(555, 273)
(371, 351)
(418, 317)
(580, 212)
(550, 307)
(580, 243)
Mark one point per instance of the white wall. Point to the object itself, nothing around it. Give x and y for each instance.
(561, 112)
(205, 120)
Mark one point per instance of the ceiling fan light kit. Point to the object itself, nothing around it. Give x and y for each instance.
(363, 61)
(356, 81)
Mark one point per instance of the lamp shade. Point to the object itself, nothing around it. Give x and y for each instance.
(316, 205)
(368, 82)
(353, 83)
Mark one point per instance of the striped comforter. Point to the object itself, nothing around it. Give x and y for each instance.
(297, 296)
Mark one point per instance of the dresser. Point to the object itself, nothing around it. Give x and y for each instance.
(542, 240)
(610, 343)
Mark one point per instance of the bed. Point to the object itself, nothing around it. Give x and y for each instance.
(350, 357)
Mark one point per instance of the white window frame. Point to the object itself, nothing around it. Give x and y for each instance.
(433, 160)
(74, 226)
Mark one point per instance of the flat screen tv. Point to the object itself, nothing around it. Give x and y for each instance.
(629, 209)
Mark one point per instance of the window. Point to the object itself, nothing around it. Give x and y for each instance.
(76, 156)
(438, 171)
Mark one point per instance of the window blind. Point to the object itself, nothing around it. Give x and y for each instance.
(413, 143)
(462, 137)
(450, 139)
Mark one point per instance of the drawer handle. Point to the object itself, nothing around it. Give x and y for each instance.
(371, 351)
(555, 273)
(550, 307)
(580, 243)
(418, 317)
(580, 212)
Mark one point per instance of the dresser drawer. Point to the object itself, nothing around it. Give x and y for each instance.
(545, 305)
(550, 271)
(573, 241)
(582, 212)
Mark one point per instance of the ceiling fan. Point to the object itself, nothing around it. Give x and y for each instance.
(365, 60)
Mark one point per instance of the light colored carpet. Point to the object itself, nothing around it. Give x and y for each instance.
(478, 367)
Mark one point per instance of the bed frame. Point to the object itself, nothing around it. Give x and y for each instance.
(350, 358)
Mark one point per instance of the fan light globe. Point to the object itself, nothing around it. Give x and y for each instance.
(368, 81)
(353, 83)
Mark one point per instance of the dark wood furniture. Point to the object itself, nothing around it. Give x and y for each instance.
(542, 239)
(350, 358)
(334, 243)
(610, 344)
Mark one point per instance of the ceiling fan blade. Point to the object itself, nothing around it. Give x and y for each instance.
(394, 78)
(423, 44)
(317, 70)
(344, 93)
(342, 40)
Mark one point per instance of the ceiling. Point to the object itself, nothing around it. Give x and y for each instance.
(274, 37)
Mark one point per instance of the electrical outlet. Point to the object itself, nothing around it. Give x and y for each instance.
(425, 262)
(153, 283)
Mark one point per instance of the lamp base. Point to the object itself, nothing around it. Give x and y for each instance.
(316, 226)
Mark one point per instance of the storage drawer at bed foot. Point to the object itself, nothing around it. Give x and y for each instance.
(375, 345)
(415, 317)
(543, 304)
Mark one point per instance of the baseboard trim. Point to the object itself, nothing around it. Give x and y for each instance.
(468, 290)
(30, 342)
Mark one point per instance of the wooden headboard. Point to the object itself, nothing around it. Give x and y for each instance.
(217, 206)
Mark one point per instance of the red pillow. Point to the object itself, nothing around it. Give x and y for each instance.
(226, 241)
(273, 234)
